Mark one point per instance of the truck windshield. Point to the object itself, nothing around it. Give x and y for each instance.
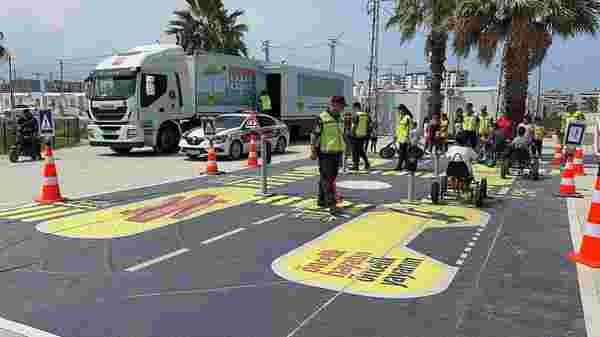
(114, 87)
(228, 122)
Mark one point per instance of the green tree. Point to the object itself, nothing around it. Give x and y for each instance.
(207, 25)
(436, 17)
(526, 27)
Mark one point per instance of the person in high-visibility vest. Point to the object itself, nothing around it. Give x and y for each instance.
(265, 103)
(538, 136)
(328, 146)
(361, 123)
(444, 124)
(469, 125)
(404, 124)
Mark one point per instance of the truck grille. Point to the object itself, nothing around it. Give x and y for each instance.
(109, 115)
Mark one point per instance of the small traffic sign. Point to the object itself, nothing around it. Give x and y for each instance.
(46, 123)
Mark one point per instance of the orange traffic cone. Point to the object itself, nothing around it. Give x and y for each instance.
(50, 190)
(252, 158)
(211, 166)
(589, 253)
(567, 183)
(557, 156)
(579, 169)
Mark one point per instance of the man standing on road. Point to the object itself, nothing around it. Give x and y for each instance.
(361, 123)
(327, 145)
(470, 126)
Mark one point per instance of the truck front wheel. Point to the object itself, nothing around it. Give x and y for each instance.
(168, 140)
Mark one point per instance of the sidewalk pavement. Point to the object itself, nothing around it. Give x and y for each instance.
(589, 278)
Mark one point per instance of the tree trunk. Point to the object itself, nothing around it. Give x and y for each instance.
(438, 57)
(517, 71)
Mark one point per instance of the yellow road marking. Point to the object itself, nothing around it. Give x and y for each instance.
(287, 201)
(269, 200)
(24, 210)
(32, 214)
(53, 215)
(143, 216)
(368, 256)
(284, 179)
(306, 202)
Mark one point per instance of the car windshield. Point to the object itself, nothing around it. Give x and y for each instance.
(109, 86)
(229, 122)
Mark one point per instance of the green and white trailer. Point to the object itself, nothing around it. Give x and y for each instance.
(150, 95)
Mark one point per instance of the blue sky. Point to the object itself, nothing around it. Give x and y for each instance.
(41, 32)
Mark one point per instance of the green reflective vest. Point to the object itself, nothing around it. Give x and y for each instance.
(579, 116)
(469, 123)
(403, 128)
(362, 128)
(332, 134)
(265, 102)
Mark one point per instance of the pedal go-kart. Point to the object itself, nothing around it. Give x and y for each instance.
(459, 180)
(520, 161)
(390, 151)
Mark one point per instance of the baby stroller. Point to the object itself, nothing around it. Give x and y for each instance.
(459, 180)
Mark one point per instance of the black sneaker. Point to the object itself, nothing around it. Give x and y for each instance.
(367, 167)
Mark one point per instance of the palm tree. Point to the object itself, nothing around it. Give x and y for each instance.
(187, 31)
(207, 25)
(526, 28)
(436, 17)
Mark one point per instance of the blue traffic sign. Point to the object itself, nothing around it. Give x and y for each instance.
(46, 123)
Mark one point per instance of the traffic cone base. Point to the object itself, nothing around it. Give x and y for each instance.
(50, 189)
(589, 254)
(567, 187)
(211, 166)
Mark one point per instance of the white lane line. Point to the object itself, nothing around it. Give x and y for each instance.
(274, 217)
(224, 235)
(463, 255)
(475, 238)
(23, 329)
(471, 244)
(157, 260)
(459, 262)
(477, 233)
(468, 249)
(480, 229)
(503, 190)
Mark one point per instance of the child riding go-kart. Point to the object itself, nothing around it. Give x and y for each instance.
(459, 177)
(520, 158)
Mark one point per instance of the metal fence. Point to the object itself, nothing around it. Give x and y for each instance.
(68, 132)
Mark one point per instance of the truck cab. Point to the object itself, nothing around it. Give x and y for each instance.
(137, 99)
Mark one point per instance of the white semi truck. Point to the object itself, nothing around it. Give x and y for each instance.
(150, 95)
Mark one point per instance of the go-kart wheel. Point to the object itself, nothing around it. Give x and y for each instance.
(483, 188)
(435, 193)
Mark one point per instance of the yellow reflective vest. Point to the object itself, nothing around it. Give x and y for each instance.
(332, 134)
(484, 124)
(403, 129)
(469, 123)
(265, 102)
(362, 128)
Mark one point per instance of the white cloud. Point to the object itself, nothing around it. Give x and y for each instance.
(50, 13)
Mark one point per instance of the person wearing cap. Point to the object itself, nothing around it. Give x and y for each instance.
(328, 145)
(403, 128)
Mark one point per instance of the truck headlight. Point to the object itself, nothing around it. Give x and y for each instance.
(131, 133)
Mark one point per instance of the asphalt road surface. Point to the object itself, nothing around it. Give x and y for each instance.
(208, 257)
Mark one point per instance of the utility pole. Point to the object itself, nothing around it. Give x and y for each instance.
(62, 85)
(266, 46)
(332, 43)
(11, 87)
(375, 13)
(539, 95)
